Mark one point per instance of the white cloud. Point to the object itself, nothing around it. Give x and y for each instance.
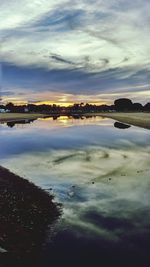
(107, 34)
(20, 13)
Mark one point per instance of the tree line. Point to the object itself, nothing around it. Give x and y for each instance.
(120, 105)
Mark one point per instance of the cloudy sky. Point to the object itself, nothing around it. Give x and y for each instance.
(67, 51)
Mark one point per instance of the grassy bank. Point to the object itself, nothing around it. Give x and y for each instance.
(6, 117)
(140, 119)
(26, 212)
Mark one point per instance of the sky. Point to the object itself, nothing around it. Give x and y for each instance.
(64, 51)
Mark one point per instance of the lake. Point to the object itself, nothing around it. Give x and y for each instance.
(100, 173)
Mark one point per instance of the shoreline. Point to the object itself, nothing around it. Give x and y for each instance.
(139, 119)
(27, 212)
(10, 117)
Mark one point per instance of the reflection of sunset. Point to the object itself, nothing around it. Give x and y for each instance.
(64, 121)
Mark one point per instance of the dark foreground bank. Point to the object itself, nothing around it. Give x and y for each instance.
(26, 213)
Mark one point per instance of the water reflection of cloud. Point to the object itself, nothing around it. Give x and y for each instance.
(112, 186)
(44, 135)
(103, 183)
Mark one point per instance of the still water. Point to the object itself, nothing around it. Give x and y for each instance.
(100, 174)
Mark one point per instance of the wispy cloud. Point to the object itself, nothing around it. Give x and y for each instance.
(108, 40)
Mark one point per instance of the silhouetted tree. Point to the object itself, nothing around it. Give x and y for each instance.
(137, 107)
(123, 104)
(147, 107)
(10, 106)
